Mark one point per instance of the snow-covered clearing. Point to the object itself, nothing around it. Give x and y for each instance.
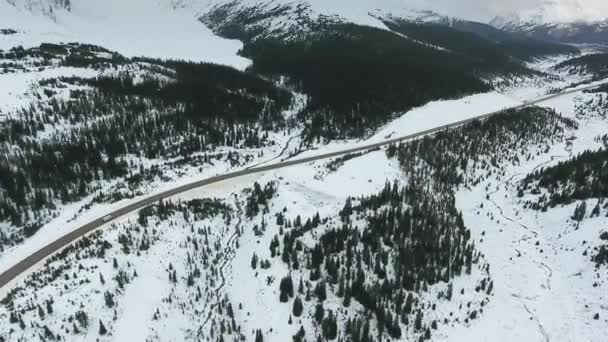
(18, 90)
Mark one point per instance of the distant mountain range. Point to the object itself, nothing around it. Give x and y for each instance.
(565, 21)
(573, 33)
(172, 28)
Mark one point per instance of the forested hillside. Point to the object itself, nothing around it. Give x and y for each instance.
(494, 48)
(594, 64)
(583, 177)
(467, 155)
(358, 77)
(147, 194)
(516, 45)
(82, 131)
(385, 251)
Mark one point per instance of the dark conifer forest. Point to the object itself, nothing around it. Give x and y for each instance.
(58, 149)
(520, 47)
(496, 50)
(466, 155)
(357, 77)
(580, 178)
(594, 64)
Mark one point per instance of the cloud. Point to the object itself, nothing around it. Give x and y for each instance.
(550, 10)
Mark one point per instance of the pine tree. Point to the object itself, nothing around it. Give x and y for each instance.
(579, 212)
(319, 312)
(297, 307)
(259, 337)
(286, 289)
(329, 327)
(41, 313)
(49, 306)
(254, 261)
(321, 291)
(102, 329)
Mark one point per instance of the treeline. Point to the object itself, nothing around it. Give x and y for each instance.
(519, 46)
(357, 77)
(580, 178)
(70, 54)
(466, 155)
(196, 209)
(601, 89)
(594, 64)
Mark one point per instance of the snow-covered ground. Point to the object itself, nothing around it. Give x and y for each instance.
(542, 292)
(543, 283)
(544, 279)
(525, 88)
(18, 90)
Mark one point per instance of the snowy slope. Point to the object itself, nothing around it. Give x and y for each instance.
(548, 287)
(133, 28)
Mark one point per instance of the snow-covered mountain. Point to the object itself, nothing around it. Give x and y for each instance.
(553, 12)
(173, 28)
(180, 28)
(567, 21)
(573, 32)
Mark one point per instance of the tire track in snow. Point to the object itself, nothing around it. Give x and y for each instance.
(547, 162)
(535, 233)
(541, 328)
(549, 275)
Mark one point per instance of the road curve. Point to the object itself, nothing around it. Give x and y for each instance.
(12, 273)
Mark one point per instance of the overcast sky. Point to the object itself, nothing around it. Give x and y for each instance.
(565, 10)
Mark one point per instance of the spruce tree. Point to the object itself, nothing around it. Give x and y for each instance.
(297, 307)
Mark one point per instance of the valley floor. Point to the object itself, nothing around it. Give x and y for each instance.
(185, 273)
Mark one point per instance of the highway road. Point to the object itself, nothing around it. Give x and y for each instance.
(32, 260)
